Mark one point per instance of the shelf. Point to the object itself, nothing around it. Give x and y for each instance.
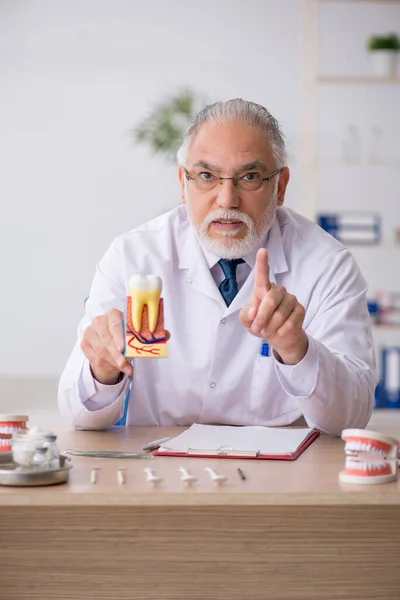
(357, 80)
(317, 80)
(359, 1)
(395, 163)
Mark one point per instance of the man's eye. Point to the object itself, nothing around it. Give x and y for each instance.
(251, 177)
(206, 176)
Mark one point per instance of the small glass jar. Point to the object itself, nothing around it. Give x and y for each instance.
(41, 459)
(53, 453)
(24, 446)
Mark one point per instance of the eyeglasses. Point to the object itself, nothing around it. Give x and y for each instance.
(250, 182)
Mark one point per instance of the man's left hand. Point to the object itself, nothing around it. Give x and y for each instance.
(275, 315)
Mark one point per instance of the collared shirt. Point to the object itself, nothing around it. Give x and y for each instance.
(243, 270)
(215, 372)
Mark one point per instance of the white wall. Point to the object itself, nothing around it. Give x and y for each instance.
(74, 78)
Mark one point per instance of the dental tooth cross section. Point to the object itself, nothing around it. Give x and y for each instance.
(186, 477)
(217, 479)
(152, 477)
(144, 318)
(145, 289)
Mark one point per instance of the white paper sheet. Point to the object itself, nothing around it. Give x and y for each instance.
(263, 440)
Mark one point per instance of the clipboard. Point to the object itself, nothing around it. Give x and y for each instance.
(229, 452)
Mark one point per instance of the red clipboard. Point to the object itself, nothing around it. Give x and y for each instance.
(224, 452)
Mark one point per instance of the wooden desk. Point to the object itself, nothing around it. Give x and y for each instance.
(291, 531)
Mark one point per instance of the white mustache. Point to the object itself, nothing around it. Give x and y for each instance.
(231, 215)
(226, 245)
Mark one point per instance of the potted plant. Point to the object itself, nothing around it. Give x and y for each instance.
(164, 127)
(384, 51)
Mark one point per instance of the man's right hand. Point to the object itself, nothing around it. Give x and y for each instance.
(103, 344)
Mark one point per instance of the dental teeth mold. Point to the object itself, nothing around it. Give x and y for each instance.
(371, 457)
(9, 425)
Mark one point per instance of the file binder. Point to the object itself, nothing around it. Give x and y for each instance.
(251, 442)
(356, 227)
(388, 391)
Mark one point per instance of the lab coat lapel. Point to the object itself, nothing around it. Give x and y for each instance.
(198, 271)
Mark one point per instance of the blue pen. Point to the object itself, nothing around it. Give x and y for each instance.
(265, 349)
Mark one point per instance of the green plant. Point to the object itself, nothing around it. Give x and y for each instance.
(384, 42)
(164, 127)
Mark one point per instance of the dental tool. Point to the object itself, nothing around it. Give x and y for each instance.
(152, 477)
(187, 478)
(216, 478)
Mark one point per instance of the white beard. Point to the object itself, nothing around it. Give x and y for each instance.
(229, 247)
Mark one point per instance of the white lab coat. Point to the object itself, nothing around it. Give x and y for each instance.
(215, 373)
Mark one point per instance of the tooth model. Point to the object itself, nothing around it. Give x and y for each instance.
(371, 457)
(144, 318)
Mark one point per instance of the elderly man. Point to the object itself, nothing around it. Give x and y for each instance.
(267, 313)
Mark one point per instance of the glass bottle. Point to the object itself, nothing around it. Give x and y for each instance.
(53, 454)
(40, 460)
(376, 149)
(352, 145)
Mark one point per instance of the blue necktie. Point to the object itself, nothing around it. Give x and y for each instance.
(229, 286)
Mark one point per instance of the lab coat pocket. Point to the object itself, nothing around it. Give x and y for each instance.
(267, 398)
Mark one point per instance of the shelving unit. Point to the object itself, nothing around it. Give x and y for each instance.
(357, 80)
(379, 263)
(311, 81)
(386, 164)
(359, 1)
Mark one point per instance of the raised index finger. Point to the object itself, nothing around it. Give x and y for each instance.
(262, 283)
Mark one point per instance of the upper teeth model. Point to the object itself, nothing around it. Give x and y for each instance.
(10, 425)
(145, 289)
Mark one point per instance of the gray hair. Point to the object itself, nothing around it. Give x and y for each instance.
(243, 111)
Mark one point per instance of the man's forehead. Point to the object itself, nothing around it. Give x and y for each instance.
(217, 143)
(211, 165)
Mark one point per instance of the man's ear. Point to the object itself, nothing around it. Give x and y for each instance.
(284, 177)
(181, 175)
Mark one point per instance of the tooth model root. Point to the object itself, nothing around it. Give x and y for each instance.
(145, 290)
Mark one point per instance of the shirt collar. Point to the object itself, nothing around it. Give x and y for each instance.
(250, 258)
(273, 240)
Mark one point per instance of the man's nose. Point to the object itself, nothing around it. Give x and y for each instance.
(227, 195)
